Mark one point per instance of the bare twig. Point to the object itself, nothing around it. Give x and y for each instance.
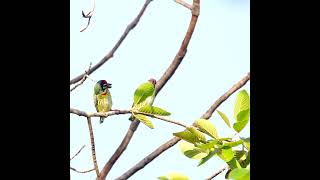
(83, 79)
(163, 80)
(184, 4)
(81, 171)
(89, 15)
(216, 174)
(78, 152)
(94, 158)
(116, 46)
(141, 164)
(164, 118)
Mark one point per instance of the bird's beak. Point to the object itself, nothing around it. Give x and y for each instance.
(109, 85)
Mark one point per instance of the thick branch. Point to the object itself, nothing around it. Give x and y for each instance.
(141, 164)
(116, 46)
(120, 149)
(94, 158)
(180, 55)
(163, 80)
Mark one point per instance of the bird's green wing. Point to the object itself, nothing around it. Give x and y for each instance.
(143, 92)
(95, 101)
(96, 89)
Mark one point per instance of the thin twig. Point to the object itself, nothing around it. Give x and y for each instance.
(94, 158)
(163, 80)
(81, 171)
(141, 164)
(78, 152)
(89, 15)
(216, 174)
(164, 118)
(83, 79)
(184, 4)
(116, 46)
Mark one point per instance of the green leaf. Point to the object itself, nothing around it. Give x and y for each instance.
(238, 154)
(246, 143)
(154, 110)
(187, 136)
(225, 154)
(191, 151)
(210, 144)
(233, 144)
(225, 118)
(207, 127)
(197, 133)
(233, 163)
(144, 120)
(205, 159)
(195, 153)
(242, 103)
(244, 163)
(174, 176)
(240, 174)
(163, 178)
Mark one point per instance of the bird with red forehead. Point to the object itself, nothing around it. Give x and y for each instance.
(102, 97)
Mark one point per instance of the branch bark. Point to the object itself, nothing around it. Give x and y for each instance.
(141, 164)
(94, 158)
(116, 46)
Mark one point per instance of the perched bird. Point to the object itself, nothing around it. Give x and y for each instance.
(144, 94)
(102, 97)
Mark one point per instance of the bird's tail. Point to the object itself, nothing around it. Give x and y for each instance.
(101, 120)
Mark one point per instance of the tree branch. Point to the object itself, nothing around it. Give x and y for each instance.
(181, 2)
(141, 164)
(94, 158)
(96, 114)
(120, 149)
(83, 79)
(163, 80)
(78, 152)
(116, 46)
(216, 174)
(81, 171)
(225, 96)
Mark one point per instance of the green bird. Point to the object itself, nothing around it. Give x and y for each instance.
(144, 94)
(102, 97)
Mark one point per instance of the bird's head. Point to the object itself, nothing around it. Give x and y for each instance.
(104, 85)
(153, 81)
